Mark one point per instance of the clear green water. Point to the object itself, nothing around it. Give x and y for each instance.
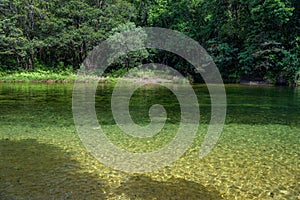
(42, 157)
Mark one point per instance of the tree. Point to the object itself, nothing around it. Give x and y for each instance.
(124, 37)
(52, 32)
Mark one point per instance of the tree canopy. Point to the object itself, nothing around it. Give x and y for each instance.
(248, 39)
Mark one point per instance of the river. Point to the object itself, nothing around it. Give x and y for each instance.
(256, 157)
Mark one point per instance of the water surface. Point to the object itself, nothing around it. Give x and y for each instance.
(42, 157)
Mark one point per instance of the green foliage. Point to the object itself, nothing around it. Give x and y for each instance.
(252, 38)
(225, 58)
(37, 75)
(127, 36)
(55, 31)
(116, 72)
(258, 39)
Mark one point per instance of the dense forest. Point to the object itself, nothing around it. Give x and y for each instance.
(248, 39)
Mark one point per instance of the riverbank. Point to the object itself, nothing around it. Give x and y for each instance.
(47, 76)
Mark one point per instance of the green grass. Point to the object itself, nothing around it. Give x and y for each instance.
(69, 76)
(37, 76)
(47, 76)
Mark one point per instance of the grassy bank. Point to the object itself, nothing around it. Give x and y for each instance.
(48, 76)
(37, 76)
(69, 76)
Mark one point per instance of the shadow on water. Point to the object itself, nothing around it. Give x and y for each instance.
(31, 170)
(143, 187)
